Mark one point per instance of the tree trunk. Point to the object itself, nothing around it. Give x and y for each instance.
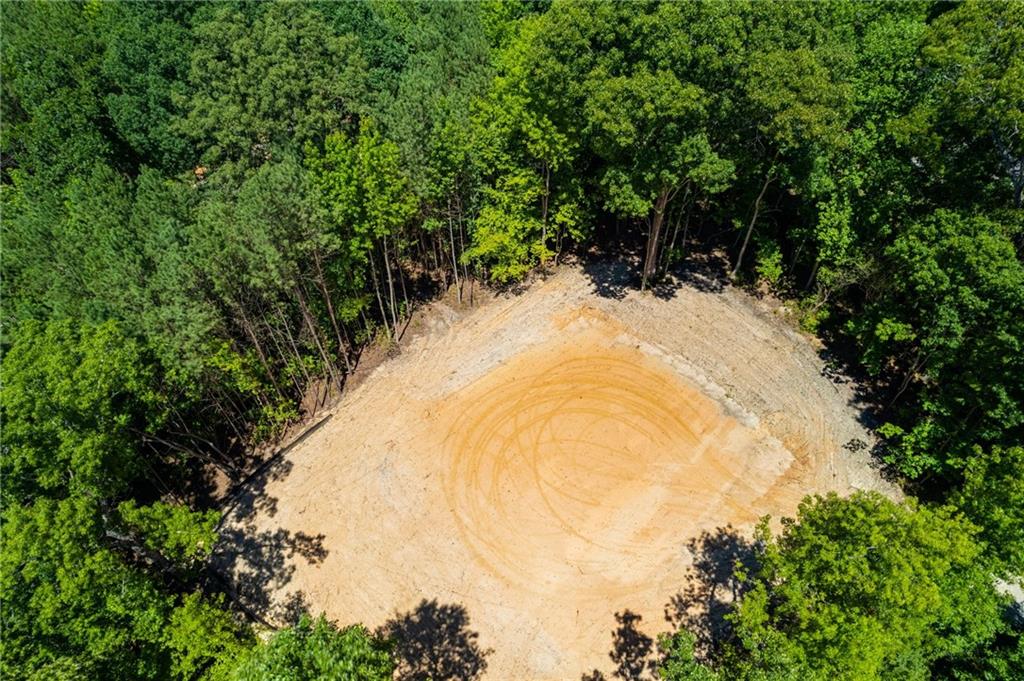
(376, 289)
(544, 208)
(814, 273)
(295, 350)
(768, 178)
(462, 249)
(687, 204)
(651, 261)
(455, 263)
(391, 283)
(322, 282)
(251, 332)
(315, 332)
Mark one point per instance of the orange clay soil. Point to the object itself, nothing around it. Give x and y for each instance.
(542, 463)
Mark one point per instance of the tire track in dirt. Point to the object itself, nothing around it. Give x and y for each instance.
(589, 446)
(544, 459)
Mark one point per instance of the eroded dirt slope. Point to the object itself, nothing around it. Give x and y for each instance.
(523, 472)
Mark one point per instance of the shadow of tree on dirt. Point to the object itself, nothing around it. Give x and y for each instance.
(870, 396)
(290, 610)
(711, 592)
(713, 587)
(434, 641)
(704, 271)
(614, 277)
(632, 651)
(257, 563)
(631, 648)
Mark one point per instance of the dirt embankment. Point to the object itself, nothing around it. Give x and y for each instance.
(524, 471)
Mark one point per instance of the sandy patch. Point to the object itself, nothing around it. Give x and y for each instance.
(541, 463)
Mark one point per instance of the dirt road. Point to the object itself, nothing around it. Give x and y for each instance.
(526, 470)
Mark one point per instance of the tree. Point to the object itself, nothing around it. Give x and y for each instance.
(950, 325)
(315, 649)
(648, 123)
(74, 399)
(678, 663)
(977, 52)
(70, 602)
(992, 496)
(526, 142)
(366, 198)
(793, 107)
(53, 91)
(865, 588)
(146, 63)
(205, 640)
(266, 78)
(84, 566)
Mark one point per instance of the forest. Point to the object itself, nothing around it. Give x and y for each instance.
(210, 210)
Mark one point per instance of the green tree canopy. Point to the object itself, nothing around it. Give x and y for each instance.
(269, 77)
(865, 588)
(315, 650)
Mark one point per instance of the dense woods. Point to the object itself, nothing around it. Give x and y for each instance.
(210, 209)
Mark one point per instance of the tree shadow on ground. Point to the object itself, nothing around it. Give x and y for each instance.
(712, 590)
(632, 651)
(614, 277)
(433, 642)
(703, 271)
(256, 563)
(290, 610)
(713, 587)
(869, 396)
(259, 563)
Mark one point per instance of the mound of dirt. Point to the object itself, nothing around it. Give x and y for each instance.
(545, 465)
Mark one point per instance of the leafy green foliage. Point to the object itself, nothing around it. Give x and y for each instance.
(679, 663)
(865, 588)
(76, 400)
(204, 640)
(268, 77)
(174, 531)
(315, 649)
(951, 326)
(976, 52)
(53, 93)
(145, 63)
(70, 602)
(72, 402)
(992, 496)
(208, 209)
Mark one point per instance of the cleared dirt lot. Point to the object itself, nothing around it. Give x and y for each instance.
(524, 471)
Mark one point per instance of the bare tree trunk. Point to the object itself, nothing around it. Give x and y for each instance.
(322, 282)
(652, 238)
(462, 249)
(391, 283)
(298, 357)
(251, 332)
(814, 273)
(544, 207)
(315, 332)
(455, 263)
(768, 178)
(295, 348)
(685, 207)
(376, 289)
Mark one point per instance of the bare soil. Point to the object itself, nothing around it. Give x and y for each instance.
(543, 462)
